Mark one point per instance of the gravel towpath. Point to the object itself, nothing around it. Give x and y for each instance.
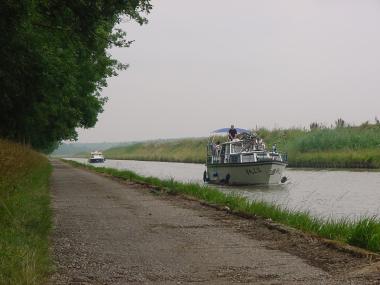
(109, 232)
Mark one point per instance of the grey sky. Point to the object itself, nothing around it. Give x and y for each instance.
(201, 65)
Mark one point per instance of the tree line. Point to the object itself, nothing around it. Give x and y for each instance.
(54, 64)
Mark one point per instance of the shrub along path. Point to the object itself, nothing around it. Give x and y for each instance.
(111, 232)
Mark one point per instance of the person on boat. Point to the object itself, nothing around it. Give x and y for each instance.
(217, 148)
(255, 144)
(213, 148)
(274, 148)
(262, 144)
(232, 133)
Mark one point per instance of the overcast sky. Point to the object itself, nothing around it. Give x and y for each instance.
(203, 64)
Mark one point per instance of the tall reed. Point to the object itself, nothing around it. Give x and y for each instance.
(183, 150)
(348, 138)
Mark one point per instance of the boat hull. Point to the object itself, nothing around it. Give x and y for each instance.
(269, 172)
(96, 160)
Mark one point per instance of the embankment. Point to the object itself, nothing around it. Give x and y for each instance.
(345, 147)
(25, 217)
(183, 150)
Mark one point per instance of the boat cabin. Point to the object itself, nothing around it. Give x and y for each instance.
(240, 151)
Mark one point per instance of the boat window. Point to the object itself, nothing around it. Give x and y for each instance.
(236, 148)
(248, 158)
(235, 158)
(223, 149)
(262, 156)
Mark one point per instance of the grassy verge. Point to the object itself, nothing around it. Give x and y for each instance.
(25, 217)
(363, 233)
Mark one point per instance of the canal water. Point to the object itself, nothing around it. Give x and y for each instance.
(328, 194)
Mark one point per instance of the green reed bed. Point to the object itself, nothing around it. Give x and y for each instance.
(363, 158)
(347, 138)
(344, 147)
(25, 216)
(182, 150)
(280, 137)
(363, 232)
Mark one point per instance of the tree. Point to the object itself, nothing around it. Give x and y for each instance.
(54, 63)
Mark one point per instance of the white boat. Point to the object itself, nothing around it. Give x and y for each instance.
(96, 157)
(243, 160)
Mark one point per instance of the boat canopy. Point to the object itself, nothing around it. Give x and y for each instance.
(225, 130)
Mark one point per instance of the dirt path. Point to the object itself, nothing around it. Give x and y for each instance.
(108, 232)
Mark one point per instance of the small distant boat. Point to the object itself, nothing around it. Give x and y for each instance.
(96, 157)
(243, 160)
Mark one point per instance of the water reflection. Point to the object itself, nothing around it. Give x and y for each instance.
(323, 193)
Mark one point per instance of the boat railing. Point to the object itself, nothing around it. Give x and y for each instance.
(247, 157)
(284, 156)
(242, 152)
(279, 156)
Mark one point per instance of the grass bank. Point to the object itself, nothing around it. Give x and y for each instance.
(364, 233)
(25, 217)
(344, 147)
(184, 150)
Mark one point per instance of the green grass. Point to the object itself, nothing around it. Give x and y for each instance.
(363, 232)
(348, 147)
(348, 138)
(364, 158)
(25, 216)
